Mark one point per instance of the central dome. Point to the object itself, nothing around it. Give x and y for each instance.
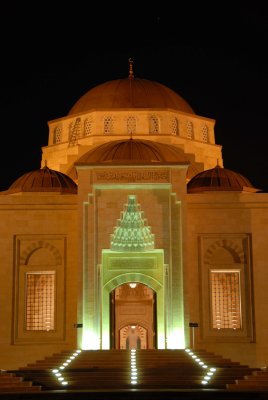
(130, 93)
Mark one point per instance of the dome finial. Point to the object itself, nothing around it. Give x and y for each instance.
(131, 74)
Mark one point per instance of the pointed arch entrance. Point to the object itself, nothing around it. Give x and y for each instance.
(147, 269)
(133, 317)
(133, 337)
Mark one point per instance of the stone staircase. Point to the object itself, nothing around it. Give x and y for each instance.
(10, 382)
(139, 370)
(257, 381)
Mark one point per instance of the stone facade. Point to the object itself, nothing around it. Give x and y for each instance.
(65, 241)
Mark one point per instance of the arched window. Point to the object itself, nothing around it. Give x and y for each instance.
(174, 126)
(40, 276)
(87, 126)
(205, 133)
(108, 124)
(154, 124)
(226, 287)
(189, 130)
(75, 131)
(57, 134)
(131, 125)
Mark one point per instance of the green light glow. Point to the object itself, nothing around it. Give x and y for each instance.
(132, 232)
(132, 257)
(137, 275)
(89, 340)
(175, 339)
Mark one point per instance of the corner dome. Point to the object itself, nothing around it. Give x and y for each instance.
(220, 179)
(132, 151)
(130, 93)
(43, 180)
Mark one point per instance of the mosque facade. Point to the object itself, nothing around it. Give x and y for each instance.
(133, 234)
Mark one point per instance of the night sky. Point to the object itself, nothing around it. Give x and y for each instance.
(214, 56)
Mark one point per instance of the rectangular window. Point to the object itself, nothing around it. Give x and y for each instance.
(40, 301)
(225, 299)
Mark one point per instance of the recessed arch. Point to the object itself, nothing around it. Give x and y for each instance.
(234, 249)
(34, 246)
(133, 277)
(133, 307)
(148, 268)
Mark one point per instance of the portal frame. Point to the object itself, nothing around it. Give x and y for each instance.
(120, 268)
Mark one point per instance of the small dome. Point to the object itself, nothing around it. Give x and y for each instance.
(219, 179)
(130, 93)
(43, 180)
(133, 151)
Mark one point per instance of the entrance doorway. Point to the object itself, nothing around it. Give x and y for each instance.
(133, 317)
(133, 337)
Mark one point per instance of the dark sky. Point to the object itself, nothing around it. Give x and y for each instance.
(214, 56)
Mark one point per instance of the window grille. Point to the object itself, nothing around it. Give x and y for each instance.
(190, 130)
(205, 133)
(154, 124)
(87, 126)
(57, 134)
(225, 298)
(40, 301)
(131, 125)
(108, 125)
(75, 131)
(174, 126)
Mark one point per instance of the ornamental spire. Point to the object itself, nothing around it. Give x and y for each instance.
(132, 232)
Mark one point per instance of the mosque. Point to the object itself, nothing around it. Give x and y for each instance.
(132, 234)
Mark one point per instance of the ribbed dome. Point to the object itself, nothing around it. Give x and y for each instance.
(219, 179)
(130, 93)
(43, 180)
(133, 151)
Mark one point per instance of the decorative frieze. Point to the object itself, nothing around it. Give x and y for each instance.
(132, 176)
(129, 263)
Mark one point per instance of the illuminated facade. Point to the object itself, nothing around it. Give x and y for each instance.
(131, 231)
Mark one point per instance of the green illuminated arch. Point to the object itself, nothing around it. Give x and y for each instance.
(147, 279)
(132, 258)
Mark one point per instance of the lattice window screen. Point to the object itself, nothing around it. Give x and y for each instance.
(40, 301)
(174, 126)
(57, 134)
(131, 124)
(205, 133)
(154, 124)
(87, 126)
(226, 299)
(108, 125)
(190, 130)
